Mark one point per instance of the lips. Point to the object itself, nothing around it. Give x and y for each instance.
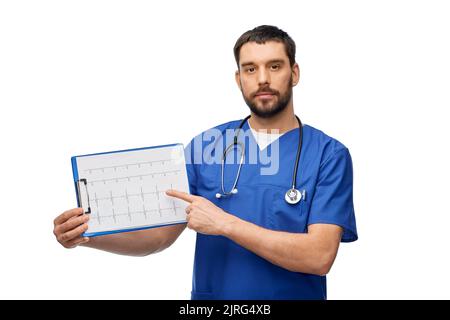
(264, 95)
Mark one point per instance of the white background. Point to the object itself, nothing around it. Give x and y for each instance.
(88, 76)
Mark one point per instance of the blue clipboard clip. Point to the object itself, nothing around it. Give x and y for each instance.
(83, 195)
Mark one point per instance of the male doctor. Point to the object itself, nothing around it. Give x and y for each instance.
(255, 240)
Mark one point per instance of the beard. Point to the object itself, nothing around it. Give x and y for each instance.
(266, 111)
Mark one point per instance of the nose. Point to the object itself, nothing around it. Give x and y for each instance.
(263, 77)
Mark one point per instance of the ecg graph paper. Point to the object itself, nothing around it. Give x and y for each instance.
(126, 189)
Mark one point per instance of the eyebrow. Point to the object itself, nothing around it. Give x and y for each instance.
(269, 62)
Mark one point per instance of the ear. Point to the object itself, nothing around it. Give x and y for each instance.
(237, 77)
(295, 74)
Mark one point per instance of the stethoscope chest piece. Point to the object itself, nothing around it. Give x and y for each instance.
(293, 196)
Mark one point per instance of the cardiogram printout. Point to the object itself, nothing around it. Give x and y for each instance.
(125, 190)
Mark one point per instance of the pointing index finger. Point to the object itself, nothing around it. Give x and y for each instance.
(180, 195)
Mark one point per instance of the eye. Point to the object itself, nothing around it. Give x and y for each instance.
(275, 67)
(250, 70)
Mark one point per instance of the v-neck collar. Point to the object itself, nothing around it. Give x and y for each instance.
(246, 126)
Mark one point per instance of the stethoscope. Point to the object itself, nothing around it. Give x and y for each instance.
(292, 196)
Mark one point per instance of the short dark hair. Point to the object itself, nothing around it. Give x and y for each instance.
(265, 33)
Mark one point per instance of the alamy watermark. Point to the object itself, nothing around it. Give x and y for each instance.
(208, 148)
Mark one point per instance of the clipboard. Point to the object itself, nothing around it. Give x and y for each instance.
(124, 190)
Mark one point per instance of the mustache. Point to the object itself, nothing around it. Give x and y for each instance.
(266, 90)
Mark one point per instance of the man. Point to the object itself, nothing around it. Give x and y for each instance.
(253, 243)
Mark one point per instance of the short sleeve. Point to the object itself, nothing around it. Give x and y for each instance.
(332, 201)
(190, 168)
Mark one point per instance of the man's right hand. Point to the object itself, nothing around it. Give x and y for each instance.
(69, 227)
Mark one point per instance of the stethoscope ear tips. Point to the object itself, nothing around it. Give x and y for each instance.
(220, 195)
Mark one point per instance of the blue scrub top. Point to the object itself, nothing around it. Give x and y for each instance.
(224, 269)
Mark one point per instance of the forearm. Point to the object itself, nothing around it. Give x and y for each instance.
(136, 243)
(313, 252)
(298, 252)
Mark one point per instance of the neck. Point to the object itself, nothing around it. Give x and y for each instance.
(283, 121)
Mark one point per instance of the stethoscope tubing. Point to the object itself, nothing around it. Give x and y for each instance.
(292, 195)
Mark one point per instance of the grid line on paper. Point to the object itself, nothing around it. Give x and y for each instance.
(112, 203)
(128, 164)
(143, 205)
(173, 202)
(137, 176)
(136, 212)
